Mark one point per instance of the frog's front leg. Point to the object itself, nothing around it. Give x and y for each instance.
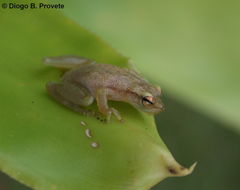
(101, 97)
(71, 96)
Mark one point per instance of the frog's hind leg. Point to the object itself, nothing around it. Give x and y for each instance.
(71, 96)
(67, 61)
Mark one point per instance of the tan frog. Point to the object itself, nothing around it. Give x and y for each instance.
(87, 80)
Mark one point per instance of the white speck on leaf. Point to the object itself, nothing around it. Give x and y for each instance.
(94, 144)
(83, 123)
(88, 133)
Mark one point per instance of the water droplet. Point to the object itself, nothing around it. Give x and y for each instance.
(88, 133)
(83, 123)
(94, 144)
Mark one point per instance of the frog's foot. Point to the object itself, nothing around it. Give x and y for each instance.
(67, 61)
(101, 98)
(111, 111)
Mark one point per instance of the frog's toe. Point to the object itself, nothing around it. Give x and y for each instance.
(117, 114)
(109, 113)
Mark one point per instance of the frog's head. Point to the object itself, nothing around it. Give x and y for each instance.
(147, 98)
(151, 104)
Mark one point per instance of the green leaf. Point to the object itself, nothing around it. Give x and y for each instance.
(190, 47)
(42, 143)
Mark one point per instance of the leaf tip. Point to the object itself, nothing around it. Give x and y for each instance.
(180, 170)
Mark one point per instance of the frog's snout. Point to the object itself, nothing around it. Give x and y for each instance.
(162, 107)
(157, 108)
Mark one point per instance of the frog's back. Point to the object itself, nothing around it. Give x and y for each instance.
(95, 76)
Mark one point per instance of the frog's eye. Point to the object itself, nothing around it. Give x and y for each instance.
(147, 100)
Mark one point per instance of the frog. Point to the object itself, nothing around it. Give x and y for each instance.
(85, 81)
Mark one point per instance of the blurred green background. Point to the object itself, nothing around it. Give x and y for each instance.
(192, 50)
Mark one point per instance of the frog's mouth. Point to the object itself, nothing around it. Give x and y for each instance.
(156, 109)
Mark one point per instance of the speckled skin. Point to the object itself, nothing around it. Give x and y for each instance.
(86, 81)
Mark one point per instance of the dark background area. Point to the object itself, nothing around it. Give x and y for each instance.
(192, 136)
